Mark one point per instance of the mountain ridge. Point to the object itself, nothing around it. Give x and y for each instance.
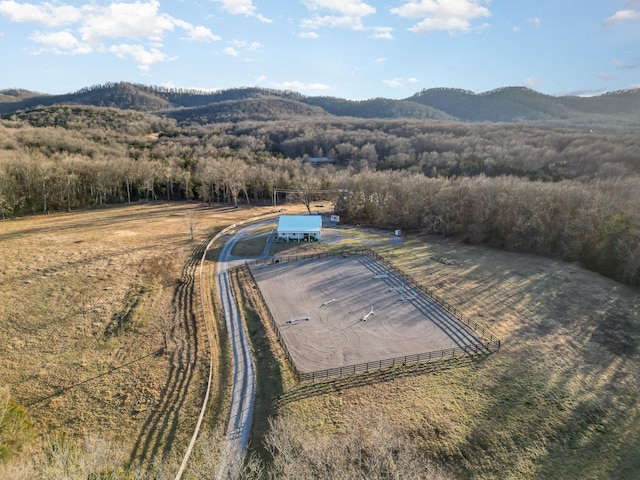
(512, 104)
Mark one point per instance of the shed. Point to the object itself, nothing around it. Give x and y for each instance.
(318, 160)
(299, 227)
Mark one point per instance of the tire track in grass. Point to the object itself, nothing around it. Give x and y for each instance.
(158, 433)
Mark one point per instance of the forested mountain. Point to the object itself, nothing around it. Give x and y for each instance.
(118, 95)
(16, 94)
(519, 104)
(377, 108)
(82, 117)
(616, 110)
(257, 108)
(503, 105)
(131, 96)
(570, 193)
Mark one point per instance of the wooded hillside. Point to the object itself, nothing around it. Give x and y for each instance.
(562, 192)
(611, 111)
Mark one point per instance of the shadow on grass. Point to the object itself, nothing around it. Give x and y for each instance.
(307, 390)
(159, 431)
(63, 390)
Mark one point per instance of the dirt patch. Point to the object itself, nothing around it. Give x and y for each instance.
(336, 311)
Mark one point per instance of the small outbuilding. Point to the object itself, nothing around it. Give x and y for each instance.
(299, 227)
(318, 160)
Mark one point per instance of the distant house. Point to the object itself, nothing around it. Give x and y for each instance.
(318, 160)
(299, 227)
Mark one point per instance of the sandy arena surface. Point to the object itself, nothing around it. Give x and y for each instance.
(336, 293)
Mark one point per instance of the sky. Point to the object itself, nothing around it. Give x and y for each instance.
(355, 49)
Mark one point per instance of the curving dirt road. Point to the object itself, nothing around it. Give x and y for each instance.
(243, 393)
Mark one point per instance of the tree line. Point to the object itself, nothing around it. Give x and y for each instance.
(595, 222)
(564, 193)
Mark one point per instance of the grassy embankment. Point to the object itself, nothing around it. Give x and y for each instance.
(558, 401)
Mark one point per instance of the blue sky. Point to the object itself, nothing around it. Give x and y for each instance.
(354, 49)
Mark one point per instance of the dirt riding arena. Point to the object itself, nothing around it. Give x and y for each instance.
(340, 311)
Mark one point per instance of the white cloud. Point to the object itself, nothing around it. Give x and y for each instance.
(143, 57)
(384, 33)
(535, 21)
(380, 61)
(201, 34)
(261, 79)
(345, 14)
(629, 14)
(300, 86)
(627, 65)
(243, 44)
(394, 83)
(592, 92)
(242, 7)
(45, 13)
(399, 82)
(605, 76)
(446, 15)
(348, 8)
(237, 48)
(332, 21)
(125, 20)
(308, 35)
(93, 27)
(231, 51)
(61, 42)
(532, 82)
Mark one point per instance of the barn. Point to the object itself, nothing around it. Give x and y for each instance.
(299, 227)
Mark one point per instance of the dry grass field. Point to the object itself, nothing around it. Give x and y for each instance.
(558, 401)
(90, 298)
(100, 325)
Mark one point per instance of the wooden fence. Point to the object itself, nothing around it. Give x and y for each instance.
(276, 329)
(489, 342)
(337, 372)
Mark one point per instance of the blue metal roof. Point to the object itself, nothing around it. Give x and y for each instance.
(299, 223)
